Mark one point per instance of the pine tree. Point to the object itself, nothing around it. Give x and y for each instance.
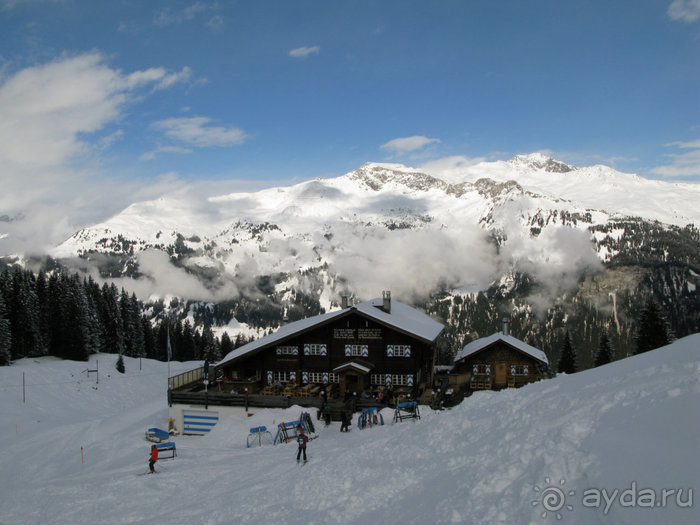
(653, 331)
(188, 350)
(211, 350)
(112, 325)
(567, 361)
(5, 335)
(23, 313)
(604, 355)
(120, 365)
(226, 344)
(149, 339)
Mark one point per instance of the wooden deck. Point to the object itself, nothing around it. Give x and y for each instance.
(267, 401)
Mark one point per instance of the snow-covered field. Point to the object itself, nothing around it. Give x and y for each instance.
(596, 447)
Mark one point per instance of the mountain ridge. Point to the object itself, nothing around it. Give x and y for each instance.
(537, 238)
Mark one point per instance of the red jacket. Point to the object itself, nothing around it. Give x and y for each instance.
(302, 440)
(154, 454)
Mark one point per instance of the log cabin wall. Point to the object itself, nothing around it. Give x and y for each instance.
(305, 357)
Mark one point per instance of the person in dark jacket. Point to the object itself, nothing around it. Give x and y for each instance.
(344, 420)
(302, 440)
(153, 459)
(327, 414)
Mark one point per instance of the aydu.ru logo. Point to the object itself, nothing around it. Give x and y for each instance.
(553, 498)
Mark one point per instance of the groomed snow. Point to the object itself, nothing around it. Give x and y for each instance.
(496, 458)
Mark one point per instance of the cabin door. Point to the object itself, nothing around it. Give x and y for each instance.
(351, 382)
(500, 373)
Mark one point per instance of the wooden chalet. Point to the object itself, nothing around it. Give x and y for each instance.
(373, 345)
(497, 361)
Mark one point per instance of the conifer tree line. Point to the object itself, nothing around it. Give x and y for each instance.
(653, 332)
(69, 316)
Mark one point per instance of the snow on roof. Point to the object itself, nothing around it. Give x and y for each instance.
(355, 365)
(478, 345)
(402, 317)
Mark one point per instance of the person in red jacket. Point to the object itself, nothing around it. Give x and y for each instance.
(154, 458)
(302, 440)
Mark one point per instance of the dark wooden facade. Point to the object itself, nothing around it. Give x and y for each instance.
(497, 365)
(352, 351)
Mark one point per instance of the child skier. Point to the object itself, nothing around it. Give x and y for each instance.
(154, 458)
(302, 440)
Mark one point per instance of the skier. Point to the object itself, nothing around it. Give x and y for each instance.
(302, 439)
(154, 458)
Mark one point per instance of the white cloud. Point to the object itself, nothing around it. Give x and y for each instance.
(304, 51)
(408, 144)
(151, 155)
(216, 23)
(684, 10)
(404, 261)
(47, 110)
(682, 165)
(167, 17)
(196, 132)
(52, 116)
(446, 166)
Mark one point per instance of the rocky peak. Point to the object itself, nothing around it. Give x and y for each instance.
(539, 161)
(376, 176)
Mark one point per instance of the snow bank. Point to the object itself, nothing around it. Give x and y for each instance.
(518, 456)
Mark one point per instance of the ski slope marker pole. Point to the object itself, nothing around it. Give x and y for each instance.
(81, 454)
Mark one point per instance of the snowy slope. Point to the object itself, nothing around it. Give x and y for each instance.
(496, 458)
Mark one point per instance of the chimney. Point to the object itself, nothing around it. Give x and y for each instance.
(506, 320)
(344, 302)
(386, 306)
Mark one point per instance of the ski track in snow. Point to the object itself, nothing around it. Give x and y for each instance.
(482, 462)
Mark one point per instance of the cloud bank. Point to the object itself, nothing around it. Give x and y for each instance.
(681, 165)
(57, 119)
(684, 10)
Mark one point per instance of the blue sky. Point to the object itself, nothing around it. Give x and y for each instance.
(130, 98)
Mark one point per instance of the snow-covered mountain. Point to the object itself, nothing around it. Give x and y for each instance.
(388, 216)
(531, 223)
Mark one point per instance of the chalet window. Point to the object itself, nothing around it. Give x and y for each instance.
(315, 349)
(377, 379)
(356, 350)
(402, 379)
(398, 350)
(320, 377)
(287, 350)
(519, 370)
(282, 376)
(316, 377)
(481, 369)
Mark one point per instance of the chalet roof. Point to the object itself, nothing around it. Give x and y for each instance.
(361, 366)
(481, 344)
(402, 318)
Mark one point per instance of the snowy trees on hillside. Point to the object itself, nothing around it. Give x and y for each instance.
(72, 317)
(5, 334)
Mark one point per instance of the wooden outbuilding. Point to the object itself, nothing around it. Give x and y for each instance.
(497, 361)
